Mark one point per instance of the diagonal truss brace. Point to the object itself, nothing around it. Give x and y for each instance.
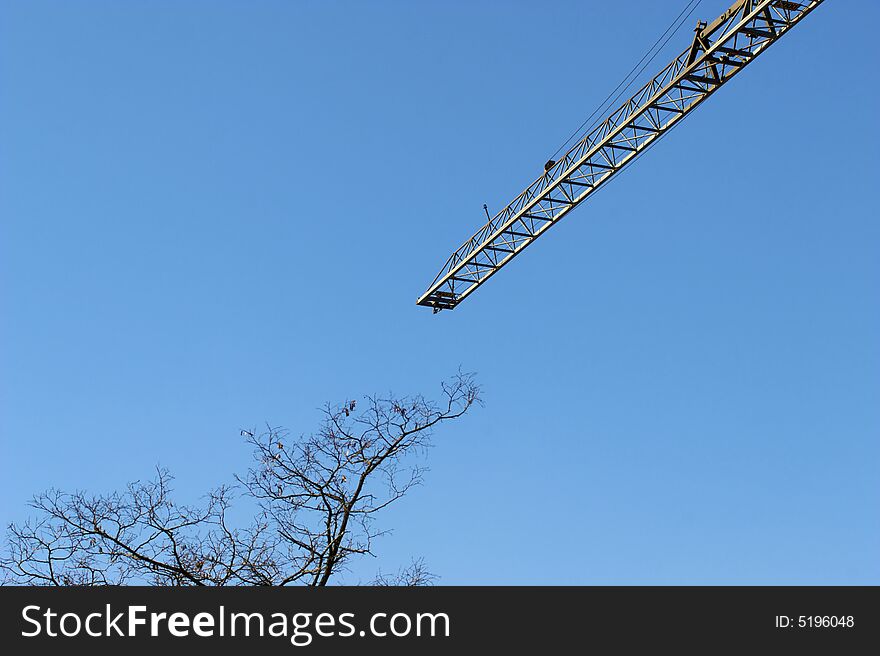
(746, 29)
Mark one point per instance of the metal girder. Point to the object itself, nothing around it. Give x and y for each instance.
(745, 30)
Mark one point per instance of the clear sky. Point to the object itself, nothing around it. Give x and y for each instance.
(217, 214)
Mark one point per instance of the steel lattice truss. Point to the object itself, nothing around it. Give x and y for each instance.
(746, 29)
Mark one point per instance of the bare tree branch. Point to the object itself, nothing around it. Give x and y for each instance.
(316, 501)
(414, 574)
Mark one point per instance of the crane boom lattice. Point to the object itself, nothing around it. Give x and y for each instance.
(744, 31)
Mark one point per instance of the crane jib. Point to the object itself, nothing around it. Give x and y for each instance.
(743, 32)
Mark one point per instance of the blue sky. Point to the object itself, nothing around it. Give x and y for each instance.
(217, 214)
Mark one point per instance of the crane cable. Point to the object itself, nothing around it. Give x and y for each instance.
(677, 22)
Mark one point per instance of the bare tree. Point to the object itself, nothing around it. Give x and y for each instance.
(315, 501)
(414, 574)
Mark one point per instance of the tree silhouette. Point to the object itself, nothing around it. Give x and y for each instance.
(315, 502)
